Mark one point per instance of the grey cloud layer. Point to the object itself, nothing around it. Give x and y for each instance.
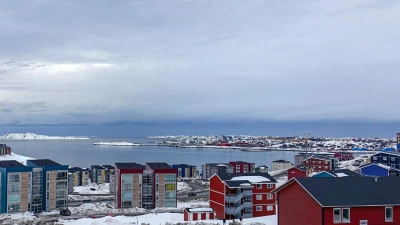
(98, 62)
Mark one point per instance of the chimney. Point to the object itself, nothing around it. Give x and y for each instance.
(376, 179)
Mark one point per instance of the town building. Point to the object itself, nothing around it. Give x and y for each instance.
(77, 177)
(391, 159)
(49, 185)
(185, 170)
(351, 200)
(261, 169)
(149, 186)
(101, 174)
(235, 195)
(242, 167)
(301, 156)
(344, 156)
(281, 165)
(5, 150)
(378, 170)
(210, 169)
(15, 187)
(194, 214)
(297, 171)
(318, 163)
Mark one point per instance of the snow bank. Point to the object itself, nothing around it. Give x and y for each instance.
(183, 186)
(32, 136)
(252, 179)
(100, 189)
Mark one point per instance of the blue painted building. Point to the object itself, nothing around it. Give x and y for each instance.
(378, 170)
(391, 159)
(49, 185)
(185, 170)
(15, 187)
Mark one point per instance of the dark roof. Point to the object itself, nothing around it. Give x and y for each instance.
(10, 163)
(237, 183)
(159, 165)
(347, 172)
(183, 165)
(216, 164)
(378, 164)
(44, 162)
(282, 161)
(389, 153)
(353, 191)
(129, 166)
(108, 167)
(301, 167)
(96, 167)
(239, 162)
(229, 176)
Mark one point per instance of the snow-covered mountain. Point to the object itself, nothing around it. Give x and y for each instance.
(32, 136)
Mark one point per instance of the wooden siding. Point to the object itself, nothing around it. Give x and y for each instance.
(374, 215)
(51, 202)
(136, 191)
(24, 191)
(161, 190)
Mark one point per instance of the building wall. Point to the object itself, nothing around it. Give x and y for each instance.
(387, 159)
(217, 196)
(294, 172)
(318, 165)
(374, 170)
(296, 206)
(25, 191)
(264, 191)
(51, 200)
(374, 215)
(281, 165)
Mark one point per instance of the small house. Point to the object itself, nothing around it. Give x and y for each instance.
(378, 170)
(193, 214)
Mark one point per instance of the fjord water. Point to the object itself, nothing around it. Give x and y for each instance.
(83, 153)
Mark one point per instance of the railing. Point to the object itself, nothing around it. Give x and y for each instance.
(233, 210)
(233, 198)
(247, 192)
(248, 204)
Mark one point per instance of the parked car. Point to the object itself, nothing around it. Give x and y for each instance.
(65, 212)
(191, 194)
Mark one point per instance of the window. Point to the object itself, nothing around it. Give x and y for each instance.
(270, 207)
(375, 158)
(270, 186)
(259, 208)
(13, 178)
(384, 158)
(258, 186)
(363, 222)
(269, 197)
(170, 203)
(61, 185)
(127, 187)
(319, 162)
(14, 188)
(326, 162)
(126, 204)
(169, 187)
(61, 175)
(388, 214)
(392, 158)
(326, 167)
(61, 194)
(258, 197)
(319, 167)
(61, 203)
(346, 215)
(170, 178)
(126, 178)
(126, 195)
(337, 215)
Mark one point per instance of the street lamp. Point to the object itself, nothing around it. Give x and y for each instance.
(137, 210)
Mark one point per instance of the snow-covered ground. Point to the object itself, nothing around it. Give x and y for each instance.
(99, 189)
(163, 218)
(16, 157)
(32, 136)
(183, 187)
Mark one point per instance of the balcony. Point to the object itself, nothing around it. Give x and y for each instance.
(248, 204)
(233, 198)
(247, 192)
(234, 210)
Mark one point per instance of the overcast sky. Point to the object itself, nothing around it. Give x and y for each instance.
(97, 62)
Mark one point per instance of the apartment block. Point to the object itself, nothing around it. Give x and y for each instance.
(15, 187)
(5, 150)
(49, 185)
(101, 174)
(242, 167)
(281, 165)
(185, 170)
(209, 169)
(146, 186)
(77, 177)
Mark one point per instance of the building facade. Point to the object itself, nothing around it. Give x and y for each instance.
(281, 165)
(185, 170)
(49, 185)
(210, 169)
(344, 156)
(390, 159)
(149, 186)
(101, 174)
(5, 150)
(242, 167)
(15, 187)
(235, 195)
(77, 177)
(319, 163)
(301, 201)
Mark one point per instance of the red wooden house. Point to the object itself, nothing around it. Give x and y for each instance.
(246, 195)
(348, 200)
(319, 163)
(297, 171)
(193, 214)
(344, 156)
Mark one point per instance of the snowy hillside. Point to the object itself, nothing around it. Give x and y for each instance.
(32, 136)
